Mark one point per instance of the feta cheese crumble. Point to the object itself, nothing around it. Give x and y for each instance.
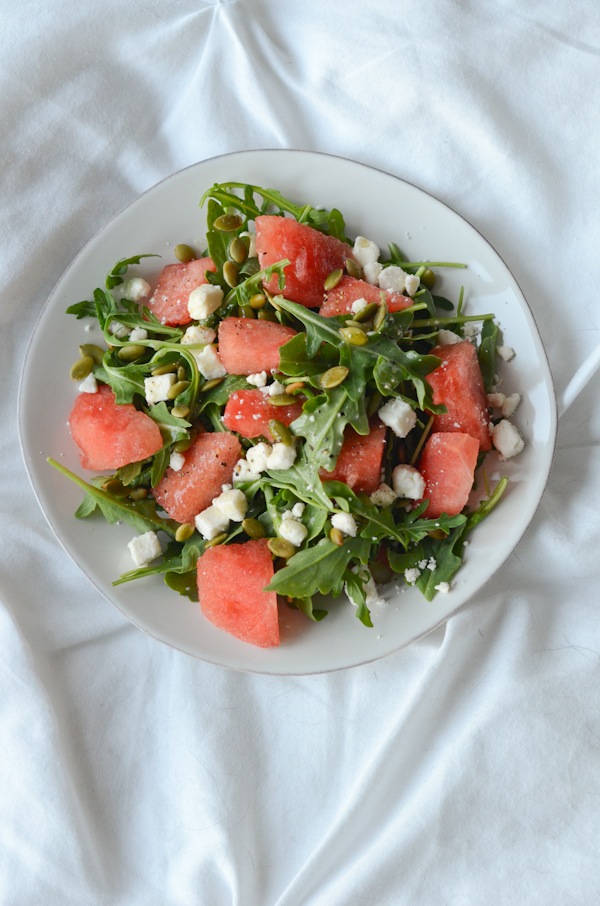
(204, 300)
(408, 482)
(257, 380)
(232, 503)
(411, 284)
(393, 279)
(176, 461)
(209, 364)
(358, 305)
(118, 330)
(242, 471)
(411, 575)
(371, 272)
(137, 289)
(365, 251)
(138, 333)
(447, 337)
(156, 388)
(144, 548)
(506, 353)
(292, 529)
(399, 416)
(346, 523)
(258, 455)
(89, 384)
(211, 522)
(196, 335)
(506, 439)
(383, 495)
(282, 456)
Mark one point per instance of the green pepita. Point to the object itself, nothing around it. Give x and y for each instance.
(257, 301)
(218, 539)
(281, 399)
(280, 547)
(182, 445)
(333, 377)
(184, 253)
(366, 313)
(281, 432)
(180, 411)
(131, 352)
(266, 314)
(246, 311)
(353, 268)
(170, 368)
(181, 373)
(177, 388)
(427, 278)
(380, 316)
(228, 223)
(352, 323)
(138, 493)
(81, 368)
(332, 279)
(253, 528)
(95, 352)
(238, 250)
(231, 273)
(336, 536)
(115, 487)
(354, 335)
(185, 531)
(208, 385)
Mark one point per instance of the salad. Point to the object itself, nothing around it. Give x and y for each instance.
(288, 413)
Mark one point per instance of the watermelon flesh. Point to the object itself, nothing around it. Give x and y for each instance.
(312, 254)
(447, 464)
(110, 434)
(249, 411)
(458, 384)
(338, 301)
(208, 466)
(231, 583)
(248, 346)
(359, 461)
(169, 301)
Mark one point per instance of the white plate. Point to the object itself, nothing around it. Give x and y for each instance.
(376, 205)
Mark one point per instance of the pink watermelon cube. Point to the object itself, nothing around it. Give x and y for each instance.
(312, 255)
(447, 464)
(249, 411)
(208, 466)
(247, 346)
(338, 301)
(359, 460)
(169, 301)
(110, 434)
(231, 590)
(458, 384)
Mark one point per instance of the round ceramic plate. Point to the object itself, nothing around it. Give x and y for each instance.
(376, 205)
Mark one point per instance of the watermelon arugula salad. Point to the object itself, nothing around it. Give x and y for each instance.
(287, 414)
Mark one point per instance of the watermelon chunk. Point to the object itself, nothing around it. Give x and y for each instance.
(169, 301)
(208, 466)
(359, 460)
(231, 583)
(249, 411)
(448, 464)
(247, 346)
(338, 301)
(110, 434)
(312, 256)
(458, 384)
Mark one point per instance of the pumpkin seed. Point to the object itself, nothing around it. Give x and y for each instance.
(180, 411)
(95, 352)
(208, 385)
(219, 539)
(281, 399)
(246, 311)
(266, 314)
(182, 445)
(353, 268)
(428, 278)
(336, 536)
(281, 432)
(333, 377)
(171, 368)
(115, 487)
(132, 352)
(294, 386)
(82, 368)
(184, 253)
(228, 223)
(380, 316)
(280, 547)
(238, 250)
(138, 493)
(366, 313)
(438, 534)
(231, 273)
(185, 531)
(332, 279)
(352, 323)
(177, 388)
(181, 373)
(257, 301)
(354, 335)
(253, 528)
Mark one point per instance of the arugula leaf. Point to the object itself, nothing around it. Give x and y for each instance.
(319, 569)
(487, 353)
(171, 427)
(117, 272)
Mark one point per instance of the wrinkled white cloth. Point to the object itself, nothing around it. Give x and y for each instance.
(465, 768)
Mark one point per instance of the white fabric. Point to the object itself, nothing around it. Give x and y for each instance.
(464, 769)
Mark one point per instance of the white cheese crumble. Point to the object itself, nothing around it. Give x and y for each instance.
(383, 495)
(204, 300)
(371, 271)
(408, 482)
(89, 384)
(242, 471)
(282, 456)
(156, 388)
(144, 548)
(297, 510)
(399, 416)
(197, 335)
(448, 337)
(232, 503)
(292, 530)
(138, 333)
(137, 289)
(176, 461)
(393, 279)
(211, 522)
(444, 587)
(358, 305)
(118, 330)
(365, 251)
(411, 284)
(209, 364)
(273, 389)
(258, 455)
(411, 575)
(346, 523)
(507, 439)
(506, 353)
(471, 329)
(373, 598)
(257, 380)
(510, 404)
